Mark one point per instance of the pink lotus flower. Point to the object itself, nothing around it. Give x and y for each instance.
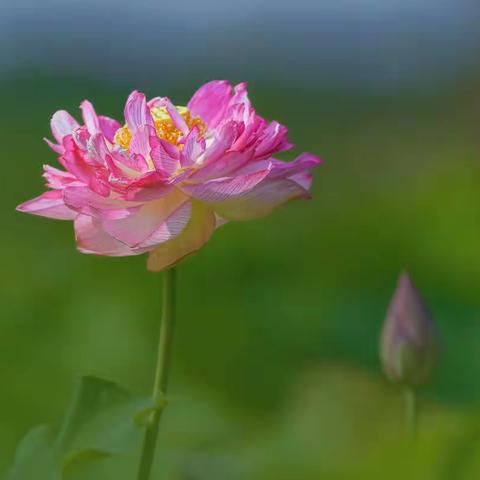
(166, 179)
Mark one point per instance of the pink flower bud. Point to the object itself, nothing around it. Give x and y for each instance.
(407, 345)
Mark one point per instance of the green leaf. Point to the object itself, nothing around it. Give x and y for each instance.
(101, 422)
(34, 457)
(101, 418)
(96, 466)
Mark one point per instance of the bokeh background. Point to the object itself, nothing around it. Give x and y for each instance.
(276, 372)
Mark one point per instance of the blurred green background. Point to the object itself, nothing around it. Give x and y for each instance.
(275, 366)
(276, 372)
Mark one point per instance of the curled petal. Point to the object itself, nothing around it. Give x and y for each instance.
(274, 140)
(90, 117)
(155, 102)
(62, 124)
(56, 148)
(192, 149)
(305, 161)
(239, 106)
(137, 112)
(177, 119)
(170, 149)
(250, 133)
(197, 232)
(210, 102)
(140, 144)
(58, 179)
(75, 161)
(50, 204)
(81, 137)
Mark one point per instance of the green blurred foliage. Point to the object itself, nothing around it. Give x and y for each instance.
(103, 423)
(276, 366)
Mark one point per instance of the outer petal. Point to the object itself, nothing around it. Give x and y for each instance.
(49, 204)
(171, 227)
(62, 124)
(154, 222)
(262, 200)
(198, 231)
(83, 200)
(303, 162)
(223, 189)
(91, 238)
(137, 112)
(56, 148)
(58, 179)
(303, 179)
(210, 102)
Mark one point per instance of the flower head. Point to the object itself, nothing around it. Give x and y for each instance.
(165, 179)
(408, 344)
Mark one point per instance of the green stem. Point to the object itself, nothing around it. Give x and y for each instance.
(411, 411)
(161, 375)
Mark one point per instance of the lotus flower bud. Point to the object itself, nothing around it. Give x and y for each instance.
(407, 344)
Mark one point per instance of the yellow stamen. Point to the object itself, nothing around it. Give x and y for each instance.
(123, 137)
(164, 127)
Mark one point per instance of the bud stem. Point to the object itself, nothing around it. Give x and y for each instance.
(161, 374)
(410, 397)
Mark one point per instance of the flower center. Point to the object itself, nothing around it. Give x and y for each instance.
(164, 127)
